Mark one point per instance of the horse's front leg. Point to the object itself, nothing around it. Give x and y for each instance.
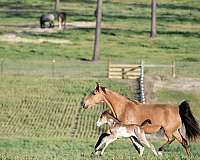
(170, 139)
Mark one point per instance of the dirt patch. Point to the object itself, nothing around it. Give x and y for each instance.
(17, 39)
(149, 87)
(180, 84)
(152, 84)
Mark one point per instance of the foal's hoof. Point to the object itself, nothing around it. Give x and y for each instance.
(96, 153)
(92, 155)
(160, 153)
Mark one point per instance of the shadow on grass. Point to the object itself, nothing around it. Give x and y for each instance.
(160, 6)
(17, 5)
(111, 32)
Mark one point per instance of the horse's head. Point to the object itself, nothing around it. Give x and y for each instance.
(95, 97)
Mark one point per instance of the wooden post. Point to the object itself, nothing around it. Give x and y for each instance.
(109, 68)
(53, 67)
(56, 6)
(123, 73)
(2, 61)
(173, 69)
(96, 52)
(153, 19)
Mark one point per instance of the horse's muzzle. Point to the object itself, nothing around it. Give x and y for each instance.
(84, 105)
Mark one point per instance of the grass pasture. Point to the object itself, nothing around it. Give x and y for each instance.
(40, 114)
(50, 107)
(80, 149)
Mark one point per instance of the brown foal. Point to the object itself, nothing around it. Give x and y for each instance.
(120, 130)
(166, 116)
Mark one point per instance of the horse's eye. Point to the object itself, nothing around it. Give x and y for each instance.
(93, 93)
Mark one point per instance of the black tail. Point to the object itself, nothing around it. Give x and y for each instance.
(147, 121)
(191, 125)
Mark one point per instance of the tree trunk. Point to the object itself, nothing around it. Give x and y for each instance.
(56, 7)
(96, 52)
(153, 19)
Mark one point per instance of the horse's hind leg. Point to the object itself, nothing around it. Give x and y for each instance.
(182, 140)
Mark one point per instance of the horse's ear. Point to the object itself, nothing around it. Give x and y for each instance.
(103, 89)
(97, 87)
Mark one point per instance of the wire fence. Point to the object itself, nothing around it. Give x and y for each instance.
(53, 68)
(87, 69)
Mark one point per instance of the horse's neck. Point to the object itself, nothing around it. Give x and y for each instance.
(116, 102)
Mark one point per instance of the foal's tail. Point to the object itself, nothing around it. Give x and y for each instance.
(191, 125)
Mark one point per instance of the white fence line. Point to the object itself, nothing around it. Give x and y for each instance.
(141, 83)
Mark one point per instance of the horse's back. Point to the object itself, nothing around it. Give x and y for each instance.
(160, 113)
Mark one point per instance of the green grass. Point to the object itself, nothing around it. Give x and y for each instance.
(43, 107)
(47, 149)
(41, 118)
(40, 115)
(125, 33)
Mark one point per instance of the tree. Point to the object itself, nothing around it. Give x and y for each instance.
(98, 14)
(153, 19)
(56, 6)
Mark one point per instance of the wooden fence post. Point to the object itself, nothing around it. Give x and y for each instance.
(53, 67)
(109, 68)
(173, 69)
(123, 73)
(2, 62)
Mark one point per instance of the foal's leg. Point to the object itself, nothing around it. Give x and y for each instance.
(103, 142)
(137, 144)
(149, 145)
(109, 140)
(182, 140)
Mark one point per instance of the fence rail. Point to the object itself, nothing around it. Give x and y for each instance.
(129, 71)
(172, 66)
(123, 71)
(135, 71)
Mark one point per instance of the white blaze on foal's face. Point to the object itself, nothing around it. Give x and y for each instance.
(110, 122)
(102, 120)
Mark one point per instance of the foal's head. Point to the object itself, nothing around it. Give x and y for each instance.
(106, 118)
(95, 97)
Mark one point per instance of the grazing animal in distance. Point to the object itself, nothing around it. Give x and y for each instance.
(49, 18)
(62, 20)
(120, 130)
(169, 117)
